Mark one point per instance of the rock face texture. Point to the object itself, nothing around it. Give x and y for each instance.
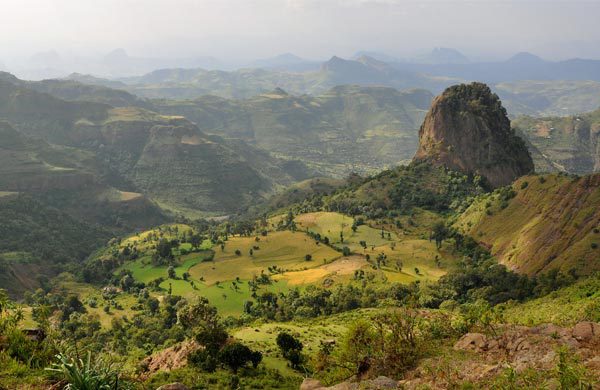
(466, 129)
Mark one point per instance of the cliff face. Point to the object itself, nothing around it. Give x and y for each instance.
(467, 129)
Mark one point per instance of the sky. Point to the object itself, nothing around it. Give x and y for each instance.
(313, 29)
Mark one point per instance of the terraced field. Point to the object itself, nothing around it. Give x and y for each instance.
(284, 249)
(222, 273)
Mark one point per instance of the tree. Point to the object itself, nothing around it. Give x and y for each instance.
(381, 259)
(205, 324)
(171, 272)
(346, 251)
(286, 342)
(163, 249)
(236, 355)
(308, 257)
(72, 305)
(439, 233)
(399, 265)
(152, 304)
(291, 348)
(195, 240)
(386, 344)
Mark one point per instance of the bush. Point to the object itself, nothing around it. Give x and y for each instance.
(386, 344)
(524, 185)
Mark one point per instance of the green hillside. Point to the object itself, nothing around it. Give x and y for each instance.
(540, 223)
(39, 241)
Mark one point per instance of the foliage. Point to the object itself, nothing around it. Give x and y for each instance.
(236, 355)
(291, 348)
(89, 374)
(386, 344)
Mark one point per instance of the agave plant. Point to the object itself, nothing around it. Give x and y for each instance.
(91, 374)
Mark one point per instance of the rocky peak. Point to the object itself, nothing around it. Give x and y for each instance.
(466, 129)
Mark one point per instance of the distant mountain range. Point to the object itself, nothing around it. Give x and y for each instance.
(522, 66)
(192, 83)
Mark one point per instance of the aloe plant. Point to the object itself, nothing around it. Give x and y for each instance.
(91, 374)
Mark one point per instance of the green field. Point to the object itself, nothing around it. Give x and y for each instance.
(224, 279)
(284, 249)
(407, 247)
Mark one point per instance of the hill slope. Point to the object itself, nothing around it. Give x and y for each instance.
(552, 222)
(136, 150)
(39, 241)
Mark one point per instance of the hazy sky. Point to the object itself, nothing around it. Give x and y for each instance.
(238, 29)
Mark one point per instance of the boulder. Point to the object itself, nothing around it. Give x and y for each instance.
(586, 331)
(471, 342)
(173, 386)
(311, 384)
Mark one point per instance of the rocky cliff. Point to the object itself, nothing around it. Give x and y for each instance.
(467, 129)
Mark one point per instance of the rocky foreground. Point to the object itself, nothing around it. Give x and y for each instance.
(480, 358)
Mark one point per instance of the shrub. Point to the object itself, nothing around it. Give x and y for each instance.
(524, 185)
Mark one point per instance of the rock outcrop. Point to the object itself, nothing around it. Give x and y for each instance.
(466, 129)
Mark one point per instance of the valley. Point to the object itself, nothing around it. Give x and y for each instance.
(302, 226)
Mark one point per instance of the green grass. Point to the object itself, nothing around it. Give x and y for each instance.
(230, 302)
(66, 282)
(284, 249)
(143, 270)
(409, 248)
(311, 333)
(564, 307)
